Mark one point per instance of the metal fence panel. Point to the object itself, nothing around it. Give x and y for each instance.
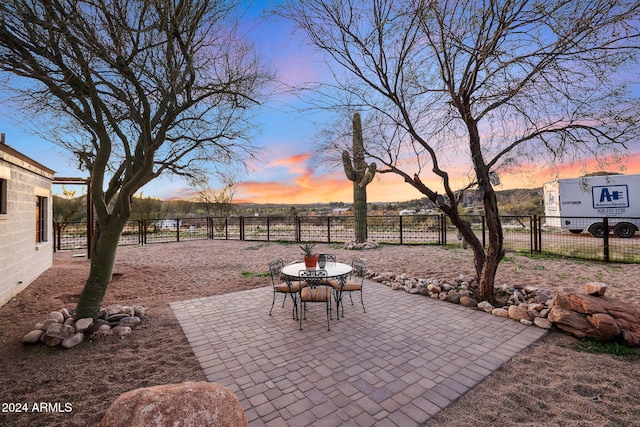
(521, 233)
(194, 229)
(160, 230)
(256, 228)
(383, 229)
(130, 234)
(577, 242)
(420, 229)
(517, 233)
(282, 229)
(314, 229)
(70, 235)
(341, 229)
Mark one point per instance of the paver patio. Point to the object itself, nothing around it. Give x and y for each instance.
(398, 364)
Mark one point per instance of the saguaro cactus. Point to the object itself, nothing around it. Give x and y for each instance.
(361, 174)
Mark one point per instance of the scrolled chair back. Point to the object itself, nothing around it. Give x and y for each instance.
(313, 277)
(359, 267)
(275, 268)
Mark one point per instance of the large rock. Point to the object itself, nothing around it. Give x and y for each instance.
(467, 301)
(73, 340)
(60, 331)
(188, 404)
(57, 316)
(129, 321)
(517, 312)
(84, 324)
(595, 288)
(33, 337)
(597, 317)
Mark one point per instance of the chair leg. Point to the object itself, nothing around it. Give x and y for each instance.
(273, 302)
(362, 302)
(301, 312)
(328, 314)
(294, 298)
(338, 296)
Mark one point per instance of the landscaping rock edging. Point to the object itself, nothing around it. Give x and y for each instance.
(590, 315)
(61, 329)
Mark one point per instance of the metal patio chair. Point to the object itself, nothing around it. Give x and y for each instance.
(314, 288)
(355, 281)
(286, 287)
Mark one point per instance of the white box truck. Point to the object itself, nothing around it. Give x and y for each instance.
(578, 204)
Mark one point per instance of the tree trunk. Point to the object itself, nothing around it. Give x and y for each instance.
(495, 251)
(103, 255)
(360, 212)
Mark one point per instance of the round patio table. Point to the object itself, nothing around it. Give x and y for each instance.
(335, 270)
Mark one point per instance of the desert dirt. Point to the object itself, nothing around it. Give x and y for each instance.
(549, 383)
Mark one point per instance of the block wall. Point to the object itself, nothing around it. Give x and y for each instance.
(22, 260)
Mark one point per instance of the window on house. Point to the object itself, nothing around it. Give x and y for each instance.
(41, 219)
(3, 196)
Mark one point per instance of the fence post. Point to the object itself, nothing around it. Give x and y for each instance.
(328, 229)
(298, 228)
(401, 236)
(533, 225)
(268, 228)
(226, 228)
(443, 231)
(241, 224)
(539, 237)
(605, 239)
(56, 236)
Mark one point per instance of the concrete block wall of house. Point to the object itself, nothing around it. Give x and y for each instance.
(26, 220)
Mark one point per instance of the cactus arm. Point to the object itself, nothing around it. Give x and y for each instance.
(368, 175)
(348, 168)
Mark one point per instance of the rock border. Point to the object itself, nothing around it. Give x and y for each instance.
(590, 314)
(527, 305)
(60, 328)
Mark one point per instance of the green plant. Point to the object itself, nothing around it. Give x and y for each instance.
(307, 249)
(612, 348)
(252, 274)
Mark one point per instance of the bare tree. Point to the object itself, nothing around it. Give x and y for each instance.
(68, 207)
(458, 91)
(217, 202)
(150, 210)
(134, 89)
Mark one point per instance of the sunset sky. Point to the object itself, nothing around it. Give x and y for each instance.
(289, 172)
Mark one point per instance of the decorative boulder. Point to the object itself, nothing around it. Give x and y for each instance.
(187, 404)
(519, 312)
(73, 340)
(83, 324)
(57, 316)
(60, 331)
(595, 288)
(33, 337)
(597, 317)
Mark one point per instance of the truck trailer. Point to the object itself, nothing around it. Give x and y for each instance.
(578, 204)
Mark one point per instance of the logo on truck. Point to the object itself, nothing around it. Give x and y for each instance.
(610, 196)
